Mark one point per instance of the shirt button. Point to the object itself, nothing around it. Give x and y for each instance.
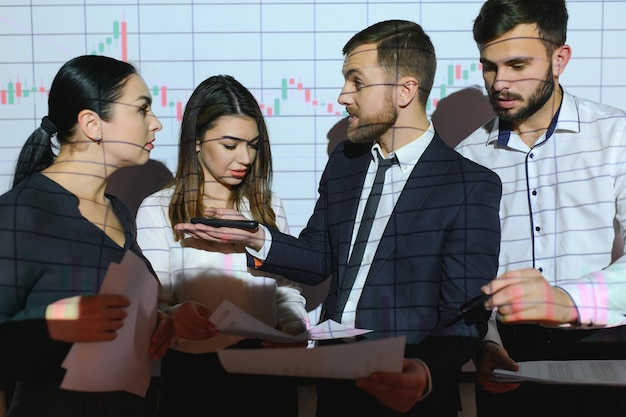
(534, 192)
(537, 228)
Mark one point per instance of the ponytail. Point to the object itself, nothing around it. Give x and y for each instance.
(37, 153)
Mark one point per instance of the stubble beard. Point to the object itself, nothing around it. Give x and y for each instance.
(371, 128)
(534, 103)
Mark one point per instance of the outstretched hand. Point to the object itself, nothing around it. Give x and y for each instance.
(251, 238)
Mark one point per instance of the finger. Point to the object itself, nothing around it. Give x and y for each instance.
(503, 281)
(102, 308)
(158, 347)
(205, 235)
(105, 336)
(511, 296)
(194, 320)
(499, 387)
(186, 227)
(164, 328)
(203, 311)
(115, 314)
(186, 331)
(114, 300)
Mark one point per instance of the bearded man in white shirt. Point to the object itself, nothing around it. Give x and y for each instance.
(561, 286)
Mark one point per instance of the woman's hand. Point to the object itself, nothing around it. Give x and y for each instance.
(191, 321)
(93, 318)
(162, 335)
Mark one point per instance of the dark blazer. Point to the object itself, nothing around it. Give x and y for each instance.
(440, 246)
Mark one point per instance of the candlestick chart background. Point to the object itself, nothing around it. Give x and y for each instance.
(288, 53)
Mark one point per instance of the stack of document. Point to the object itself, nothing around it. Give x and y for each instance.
(580, 372)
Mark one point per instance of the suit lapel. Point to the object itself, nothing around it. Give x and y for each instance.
(352, 187)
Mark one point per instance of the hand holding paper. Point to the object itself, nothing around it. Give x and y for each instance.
(123, 363)
(229, 318)
(349, 361)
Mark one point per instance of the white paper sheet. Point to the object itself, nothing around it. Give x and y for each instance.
(229, 318)
(585, 372)
(344, 361)
(123, 363)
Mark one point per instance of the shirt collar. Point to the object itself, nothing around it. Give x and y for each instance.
(566, 118)
(408, 155)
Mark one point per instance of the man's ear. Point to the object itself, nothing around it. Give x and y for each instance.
(90, 124)
(560, 59)
(408, 90)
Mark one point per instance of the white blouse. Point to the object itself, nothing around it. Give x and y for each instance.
(208, 272)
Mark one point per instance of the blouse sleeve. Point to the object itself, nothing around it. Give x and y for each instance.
(154, 234)
(291, 305)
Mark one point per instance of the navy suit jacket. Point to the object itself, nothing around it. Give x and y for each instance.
(440, 246)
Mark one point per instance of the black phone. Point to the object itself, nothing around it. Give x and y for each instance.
(239, 224)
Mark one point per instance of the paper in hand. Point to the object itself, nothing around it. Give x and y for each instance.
(342, 361)
(585, 372)
(123, 364)
(230, 319)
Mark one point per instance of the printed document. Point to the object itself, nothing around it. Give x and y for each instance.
(346, 361)
(122, 364)
(228, 318)
(343, 361)
(582, 372)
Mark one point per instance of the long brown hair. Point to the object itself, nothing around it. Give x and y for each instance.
(218, 96)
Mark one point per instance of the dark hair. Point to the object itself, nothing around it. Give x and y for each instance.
(497, 17)
(86, 82)
(403, 49)
(218, 96)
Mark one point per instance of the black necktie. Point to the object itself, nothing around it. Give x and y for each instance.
(362, 236)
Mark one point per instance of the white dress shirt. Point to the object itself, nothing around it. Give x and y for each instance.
(560, 202)
(395, 180)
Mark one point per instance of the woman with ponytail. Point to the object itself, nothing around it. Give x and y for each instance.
(59, 234)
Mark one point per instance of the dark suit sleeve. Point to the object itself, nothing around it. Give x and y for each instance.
(470, 261)
(298, 262)
(306, 259)
(472, 247)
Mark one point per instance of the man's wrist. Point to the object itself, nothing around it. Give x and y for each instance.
(429, 382)
(569, 313)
